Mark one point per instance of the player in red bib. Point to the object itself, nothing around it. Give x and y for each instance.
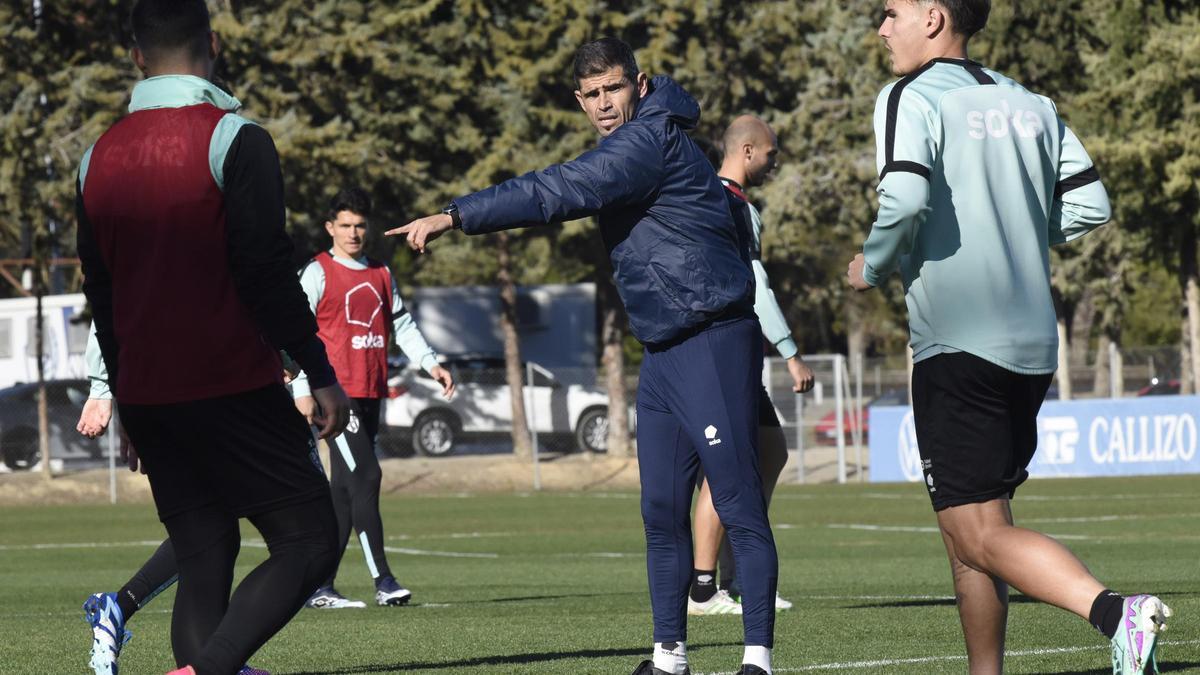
(358, 306)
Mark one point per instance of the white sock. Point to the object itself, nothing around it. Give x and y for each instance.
(758, 656)
(670, 657)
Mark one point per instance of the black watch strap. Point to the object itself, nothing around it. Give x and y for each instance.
(452, 211)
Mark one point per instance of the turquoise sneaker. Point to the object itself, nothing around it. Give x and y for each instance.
(108, 632)
(1143, 618)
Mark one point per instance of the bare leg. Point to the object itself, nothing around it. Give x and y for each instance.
(983, 610)
(984, 539)
(707, 531)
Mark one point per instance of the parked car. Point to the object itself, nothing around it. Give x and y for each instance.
(826, 428)
(19, 423)
(415, 412)
(1159, 387)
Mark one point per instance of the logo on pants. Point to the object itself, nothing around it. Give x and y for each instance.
(710, 432)
(906, 446)
(352, 425)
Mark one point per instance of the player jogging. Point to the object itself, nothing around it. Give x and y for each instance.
(750, 152)
(181, 215)
(689, 293)
(159, 572)
(357, 305)
(978, 177)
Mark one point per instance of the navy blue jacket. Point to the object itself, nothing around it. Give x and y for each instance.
(663, 216)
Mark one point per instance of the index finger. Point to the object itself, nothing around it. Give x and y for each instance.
(403, 229)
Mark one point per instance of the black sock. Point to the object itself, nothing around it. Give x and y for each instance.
(1106, 612)
(704, 585)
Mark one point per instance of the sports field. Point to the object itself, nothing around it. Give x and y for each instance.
(556, 583)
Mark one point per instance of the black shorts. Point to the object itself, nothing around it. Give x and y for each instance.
(766, 410)
(246, 453)
(976, 427)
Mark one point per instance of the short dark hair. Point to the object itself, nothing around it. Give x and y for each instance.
(967, 17)
(600, 55)
(163, 26)
(352, 199)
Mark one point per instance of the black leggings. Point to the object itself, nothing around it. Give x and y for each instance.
(355, 479)
(216, 633)
(154, 576)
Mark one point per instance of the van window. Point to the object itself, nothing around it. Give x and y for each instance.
(31, 336)
(77, 336)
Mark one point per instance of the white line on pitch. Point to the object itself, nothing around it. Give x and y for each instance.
(258, 543)
(86, 544)
(914, 528)
(885, 663)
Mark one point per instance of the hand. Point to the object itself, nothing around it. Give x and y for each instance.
(424, 230)
(333, 410)
(95, 417)
(854, 274)
(129, 456)
(444, 378)
(802, 375)
(307, 406)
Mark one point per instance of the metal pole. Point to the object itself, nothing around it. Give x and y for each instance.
(839, 364)
(531, 407)
(112, 456)
(800, 438)
(859, 412)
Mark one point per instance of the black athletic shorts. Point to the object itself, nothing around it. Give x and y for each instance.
(766, 410)
(247, 453)
(976, 427)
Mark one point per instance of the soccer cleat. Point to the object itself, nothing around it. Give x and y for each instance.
(647, 668)
(108, 632)
(389, 592)
(781, 604)
(1133, 647)
(750, 669)
(328, 598)
(719, 603)
(251, 670)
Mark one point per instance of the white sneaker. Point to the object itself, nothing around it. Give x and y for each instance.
(389, 592)
(719, 603)
(327, 598)
(781, 604)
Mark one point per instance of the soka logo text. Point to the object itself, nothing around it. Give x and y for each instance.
(368, 341)
(710, 432)
(1060, 435)
(997, 123)
(906, 448)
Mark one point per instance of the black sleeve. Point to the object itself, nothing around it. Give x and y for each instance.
(97, 286)
(260, 253)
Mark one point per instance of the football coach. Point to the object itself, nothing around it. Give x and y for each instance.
(689, 293)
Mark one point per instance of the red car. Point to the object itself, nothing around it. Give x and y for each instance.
(826, 428)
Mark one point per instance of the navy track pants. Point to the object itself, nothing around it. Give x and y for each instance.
(697, 404)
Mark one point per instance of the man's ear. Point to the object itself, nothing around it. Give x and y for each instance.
(139, 58)
(329, 227)
(936, 21)
(579, 98)
(214, 45)
(643, 85)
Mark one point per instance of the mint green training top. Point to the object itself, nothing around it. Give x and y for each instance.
(978, 178)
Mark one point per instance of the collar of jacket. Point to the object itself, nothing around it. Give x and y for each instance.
(667, 97)
(177, 91)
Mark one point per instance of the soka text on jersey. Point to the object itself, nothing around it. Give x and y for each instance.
(368, 341)
(995, 122)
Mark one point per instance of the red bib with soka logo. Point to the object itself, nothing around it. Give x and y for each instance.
(354, 316)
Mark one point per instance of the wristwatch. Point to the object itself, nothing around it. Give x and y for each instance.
(452, 211)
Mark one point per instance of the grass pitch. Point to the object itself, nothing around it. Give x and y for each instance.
(556, 583)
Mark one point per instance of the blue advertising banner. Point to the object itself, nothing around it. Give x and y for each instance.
(1102, 437)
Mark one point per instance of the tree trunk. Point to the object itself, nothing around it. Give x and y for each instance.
(1080, 316)
(1116, 366)
(1100, 377)
(1189, 284)
(514, 371)
(1064, 349)
(612, 336)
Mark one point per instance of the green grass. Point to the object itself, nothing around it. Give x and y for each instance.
(566, 590)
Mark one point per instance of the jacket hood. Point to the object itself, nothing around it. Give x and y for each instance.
(666, 97)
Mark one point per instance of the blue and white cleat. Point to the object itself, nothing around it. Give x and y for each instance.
(388, 591)
(108, 632)
(251, 670)
(327, 597)
(1133, 647)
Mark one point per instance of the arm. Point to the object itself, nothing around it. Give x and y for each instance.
(907, 153)
(97, 286)
(626, 168)
(770, 315)
(260, 253)
(1080, 200)
(414, 346)
(312, 281)
(97, 410)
